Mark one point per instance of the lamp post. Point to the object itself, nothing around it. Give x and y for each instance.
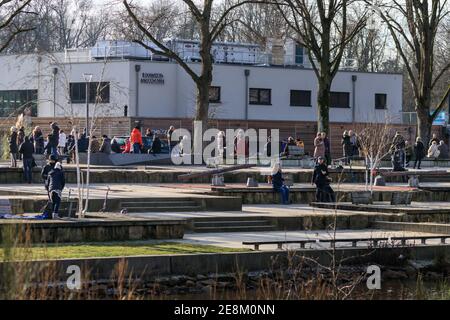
(55, 72)
(87, 78)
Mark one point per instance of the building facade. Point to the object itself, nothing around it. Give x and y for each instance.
(54, 85)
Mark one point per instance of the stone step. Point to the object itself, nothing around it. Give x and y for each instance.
(159, 204)
(234, 229)
(165, 209)
(220, 224)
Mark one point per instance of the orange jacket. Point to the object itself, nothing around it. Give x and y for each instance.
(136, 137)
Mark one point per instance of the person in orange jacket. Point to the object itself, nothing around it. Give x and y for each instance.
(136, 140)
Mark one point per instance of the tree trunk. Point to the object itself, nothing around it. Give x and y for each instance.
(203, 84)
(323, 105)
(424, 124)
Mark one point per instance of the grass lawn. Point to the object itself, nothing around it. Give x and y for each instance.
(110, 249)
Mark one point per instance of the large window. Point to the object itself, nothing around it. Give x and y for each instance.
(340, 100)
(380, 101)
(300, 98)
(78, 92)
(13, 102)
(214, 95)
(260, 96)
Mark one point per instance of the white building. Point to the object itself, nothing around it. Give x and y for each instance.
(144, 85)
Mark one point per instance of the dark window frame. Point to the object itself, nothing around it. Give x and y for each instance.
(219, 95)
(259, 96)
(378, 106)
(293, 103)
(18, 100)
(77, 92)
(341, 96)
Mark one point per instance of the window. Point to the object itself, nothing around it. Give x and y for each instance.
(260, 96)
(78, 92)
(214, 94)
(13, 102)
(380, 101)
(300, 98)
(299, 54)
(340, 100)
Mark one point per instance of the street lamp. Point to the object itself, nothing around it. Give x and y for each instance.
(87, 78)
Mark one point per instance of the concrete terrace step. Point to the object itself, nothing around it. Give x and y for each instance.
(167, 208)
(234, 229)
(220, 224)
(159, 204)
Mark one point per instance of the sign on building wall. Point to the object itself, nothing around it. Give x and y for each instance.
(152, 78)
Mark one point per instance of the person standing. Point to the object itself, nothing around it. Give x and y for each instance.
(13, 149)
(136, 140)
(398, 144)
(38, 140)
(353, 143)
(319, 146)
(346, 147)
(169, 138)
(327, 145)
(53, 140)
(62, 141)
(419, 152)
(26, 149)
(56, 182)
(408, 152)
(95, 145)
(20, 139)
(324, 192)
(278, 183)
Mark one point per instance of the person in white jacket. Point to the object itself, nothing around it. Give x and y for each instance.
(62, 142)
(433, 151)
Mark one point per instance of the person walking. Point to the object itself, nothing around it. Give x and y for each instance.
(56, 182)
(13, 149)
(136, 140)
(324, 192)
(319, 146)
(26, 149)
(278, 183)
(346, 147)
(419, 152)
(62, 141)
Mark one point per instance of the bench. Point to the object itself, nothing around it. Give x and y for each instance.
(375, 241)
(257, 244)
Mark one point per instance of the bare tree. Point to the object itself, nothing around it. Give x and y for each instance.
(210, 27)
(10, 27)
(414, 26)
(374, 141)
(324, 28)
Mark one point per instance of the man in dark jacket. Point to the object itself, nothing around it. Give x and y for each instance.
(156, 145)
(53, 139)
(26, 149)
(324, 192)
(49, 167)
(56, 183)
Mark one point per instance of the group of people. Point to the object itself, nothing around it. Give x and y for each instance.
(402, 152)
(135, 143)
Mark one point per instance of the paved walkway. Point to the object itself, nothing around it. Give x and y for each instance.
(234, 240)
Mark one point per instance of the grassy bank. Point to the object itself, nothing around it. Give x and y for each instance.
(109, 249)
